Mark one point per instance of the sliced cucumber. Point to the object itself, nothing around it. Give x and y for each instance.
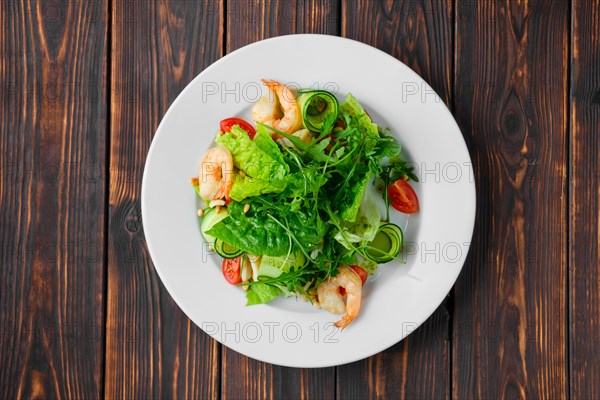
(316, 105)
(386, 245)
(226, 250)
(210, 219)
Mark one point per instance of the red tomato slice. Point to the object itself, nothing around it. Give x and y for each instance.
(228, 123)
(231, 270)
(402, 197)
(361, 272)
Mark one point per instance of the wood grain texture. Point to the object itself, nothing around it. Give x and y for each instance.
(74, 72)
(247, 22)
(510, 313)
(246, 378)
(585, 201)
(52, 159)
(153, 350)
(253, 20)
(420, 35)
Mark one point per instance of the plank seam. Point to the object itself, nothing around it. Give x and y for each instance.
(107, 183)
(569, 190)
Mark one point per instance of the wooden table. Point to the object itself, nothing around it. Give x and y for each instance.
(84, 84)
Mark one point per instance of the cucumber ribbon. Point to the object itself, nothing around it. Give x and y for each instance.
(316, 105)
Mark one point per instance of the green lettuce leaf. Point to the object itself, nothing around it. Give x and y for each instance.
(250, 158)
(260, 293)
(366, 225)
(260, 159)
(352, 196)
(253, 233)
(263, 141)
(262, 232)
(246, 186)
(292, 185)
(274, 266)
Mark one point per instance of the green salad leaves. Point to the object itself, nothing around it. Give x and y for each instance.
(308, 202)
(260, 161)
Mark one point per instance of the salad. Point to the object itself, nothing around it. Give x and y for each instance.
(288, 199)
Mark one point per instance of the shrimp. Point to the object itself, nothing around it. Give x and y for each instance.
(302, 134)
(269, 109)
(215, 174)
(331, 300)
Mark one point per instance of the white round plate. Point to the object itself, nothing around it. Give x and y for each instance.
(399, 297)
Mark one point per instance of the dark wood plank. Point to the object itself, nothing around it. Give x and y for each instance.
(510, 312)
(420, 35)
(153, 350)
(52, 189)
(246, 378)
(247, 22)
(585, 201)
(253, 20)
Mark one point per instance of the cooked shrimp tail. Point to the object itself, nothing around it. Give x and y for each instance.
(344, 322)
(331, 299)
(279, 109)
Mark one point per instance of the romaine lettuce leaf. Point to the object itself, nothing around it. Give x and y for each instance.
(292, 185)
(252, 233)
(263, 141)
(261, 233)
(260, 159)
(250, 158)
(274, 266)
(260, 293)
(246, 186)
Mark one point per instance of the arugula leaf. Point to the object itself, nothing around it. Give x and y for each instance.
(352, 108)
(398, 168)
(387, 146)
(314, 149)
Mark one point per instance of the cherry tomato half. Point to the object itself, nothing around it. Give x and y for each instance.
(231, 270)
(361, 272)
(228, 123)
(402, 197)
